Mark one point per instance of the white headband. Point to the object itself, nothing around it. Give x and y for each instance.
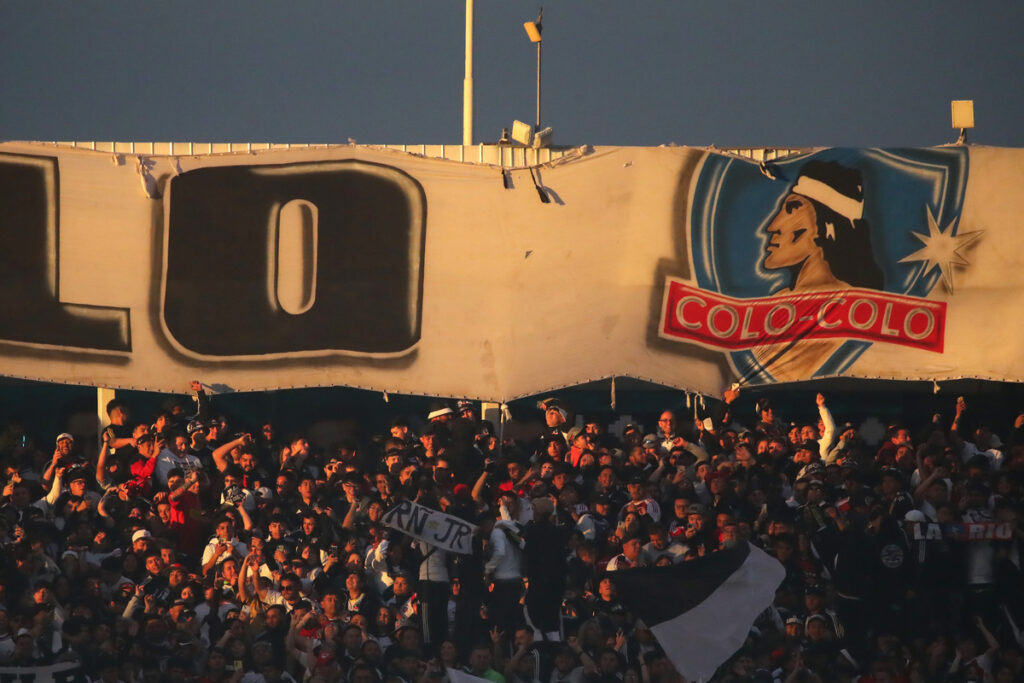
(830, 197)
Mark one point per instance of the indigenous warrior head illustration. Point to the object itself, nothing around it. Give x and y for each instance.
(819, 234)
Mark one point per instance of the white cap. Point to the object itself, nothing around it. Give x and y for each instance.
(65, 435)
(914, 516)
(140, 534)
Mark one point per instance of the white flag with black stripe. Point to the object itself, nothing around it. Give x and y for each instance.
(459, 676)
(701, 611)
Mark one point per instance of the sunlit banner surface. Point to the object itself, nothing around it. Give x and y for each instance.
(373, 268)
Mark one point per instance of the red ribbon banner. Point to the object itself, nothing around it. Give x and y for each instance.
(724, 322)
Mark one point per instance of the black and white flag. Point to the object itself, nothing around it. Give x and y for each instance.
(701, 611)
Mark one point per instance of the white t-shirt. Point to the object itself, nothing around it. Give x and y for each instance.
(167, 461)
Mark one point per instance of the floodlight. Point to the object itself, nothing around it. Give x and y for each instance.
(963, 113)
(533, 30)
(522, 132)
(963, 117)
(543, 138)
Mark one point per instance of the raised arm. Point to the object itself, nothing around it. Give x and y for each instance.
(478, 487)
(246, 519)
(828, 435)
(221, 453)
(51, 468)
(191, 482)
(295, 643)
(202, 401)
(101, 462)
(350, 517)
(243, 591)
(722, 412)
(954, 429)
(54, 493)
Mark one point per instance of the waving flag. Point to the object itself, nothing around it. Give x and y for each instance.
(701, 611)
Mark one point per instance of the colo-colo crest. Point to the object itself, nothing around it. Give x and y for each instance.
(800, 266)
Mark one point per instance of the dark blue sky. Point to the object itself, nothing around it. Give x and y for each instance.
(731, 73)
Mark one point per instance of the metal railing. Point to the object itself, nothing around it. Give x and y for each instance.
(506, 156)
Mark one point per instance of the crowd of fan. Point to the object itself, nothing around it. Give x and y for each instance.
(190, 549)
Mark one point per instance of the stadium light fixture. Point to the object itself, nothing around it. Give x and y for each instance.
(963, 118)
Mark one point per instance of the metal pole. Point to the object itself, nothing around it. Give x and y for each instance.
(467, 83)
(103, 396)
(537, 127)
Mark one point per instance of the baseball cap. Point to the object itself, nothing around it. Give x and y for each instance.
(439, 412)
(141, 534)
(914, 516)
(64, 435)
(811, 471)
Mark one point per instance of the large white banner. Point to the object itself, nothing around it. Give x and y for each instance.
(68, 672)
(373, 268)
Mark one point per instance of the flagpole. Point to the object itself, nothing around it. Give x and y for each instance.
(467, 83)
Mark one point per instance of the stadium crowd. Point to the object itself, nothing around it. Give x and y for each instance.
(191, 548)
